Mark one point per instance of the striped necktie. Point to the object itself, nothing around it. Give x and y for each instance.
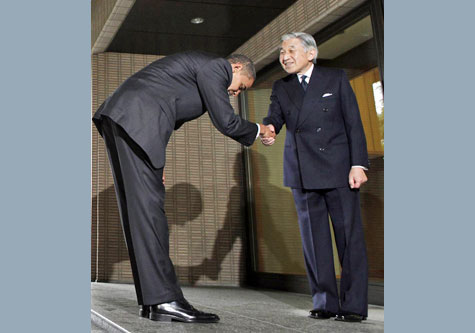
(304, 83)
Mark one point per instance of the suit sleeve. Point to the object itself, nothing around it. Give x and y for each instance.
(213, 84)
(353, 124)
(274, 115)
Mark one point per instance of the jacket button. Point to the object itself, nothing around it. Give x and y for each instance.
(297, 131)
(319, 129)
(325, 109)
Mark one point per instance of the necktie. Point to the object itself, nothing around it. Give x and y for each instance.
(304, 83)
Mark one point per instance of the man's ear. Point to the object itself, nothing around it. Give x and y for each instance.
(311, 53)
(236, 67)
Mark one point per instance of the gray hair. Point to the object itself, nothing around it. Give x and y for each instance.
(247, 64)
(308, 42)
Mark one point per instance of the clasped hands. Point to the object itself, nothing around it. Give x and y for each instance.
(267, 135)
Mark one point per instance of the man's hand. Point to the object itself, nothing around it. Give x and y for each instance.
(270, 139)
(357, 177)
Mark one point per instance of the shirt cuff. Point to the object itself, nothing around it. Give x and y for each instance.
(360, 166)
(258, 130)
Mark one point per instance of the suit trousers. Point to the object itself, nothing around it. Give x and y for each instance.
(343, 206)
(141, 197)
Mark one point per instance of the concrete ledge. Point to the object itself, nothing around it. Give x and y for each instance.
(106, 324)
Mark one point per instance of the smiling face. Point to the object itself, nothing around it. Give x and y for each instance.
(293, 58)
(240, 81)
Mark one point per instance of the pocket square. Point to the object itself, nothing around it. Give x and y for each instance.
(327, 94)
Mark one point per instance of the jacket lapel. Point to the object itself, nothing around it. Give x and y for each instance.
(314, 93)
(295, 91)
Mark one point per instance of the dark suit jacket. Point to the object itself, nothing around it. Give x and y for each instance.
(325, 135)
(153, 102)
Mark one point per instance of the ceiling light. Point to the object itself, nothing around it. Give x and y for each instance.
(197, 20)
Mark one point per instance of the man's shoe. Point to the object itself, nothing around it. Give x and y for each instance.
(321, 314)
(350, 317)
(144, 311)
(179, 310)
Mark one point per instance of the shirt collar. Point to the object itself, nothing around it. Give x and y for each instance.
(308, 73)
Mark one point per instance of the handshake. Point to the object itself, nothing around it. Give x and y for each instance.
(267, 135)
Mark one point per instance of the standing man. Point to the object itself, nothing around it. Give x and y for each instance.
(324, 161)
(136, 122)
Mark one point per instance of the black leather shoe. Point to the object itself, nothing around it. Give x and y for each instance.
(179, 310)
(321, 314)
(144, 311)
(350, 317)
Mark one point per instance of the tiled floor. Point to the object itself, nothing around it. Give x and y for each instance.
(240, 310)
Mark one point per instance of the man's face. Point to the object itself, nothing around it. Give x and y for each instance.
(293, 57)
(240, 82)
